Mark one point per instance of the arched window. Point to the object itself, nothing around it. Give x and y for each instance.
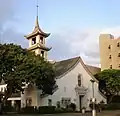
(79, 79)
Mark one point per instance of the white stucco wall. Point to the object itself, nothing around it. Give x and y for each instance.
(69, 81)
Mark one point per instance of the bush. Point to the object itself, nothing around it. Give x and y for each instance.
(73, 106)
(29, 109)
(46, 109)
(8, 108)
(59, 110)
(97, 107)
(102, 105)
(113, 106)
(63, 110)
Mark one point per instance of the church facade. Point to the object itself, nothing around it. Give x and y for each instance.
(72, 77)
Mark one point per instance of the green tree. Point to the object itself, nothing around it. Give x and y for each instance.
(19, 66)
(110, 82)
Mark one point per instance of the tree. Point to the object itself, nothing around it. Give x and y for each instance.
(19, 66)
(109, 82)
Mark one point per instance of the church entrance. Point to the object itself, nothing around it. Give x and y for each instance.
(80, 102)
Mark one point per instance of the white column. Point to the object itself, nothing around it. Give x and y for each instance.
(38, 39)
(30, 42)
(23, 100)
(13, 103)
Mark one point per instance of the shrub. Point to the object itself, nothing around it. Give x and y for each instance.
(59, 110)
(73, 106)
(46, 109)
(29, 109)
(102, 105)
(113, 106)
(8, 108)
(97, 107)
(58, 104)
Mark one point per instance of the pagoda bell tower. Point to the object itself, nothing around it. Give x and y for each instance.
(37, 40)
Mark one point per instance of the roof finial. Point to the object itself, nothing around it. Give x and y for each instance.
(37, 24)
(37, 8)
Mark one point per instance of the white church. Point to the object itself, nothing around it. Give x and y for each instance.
(72, 77)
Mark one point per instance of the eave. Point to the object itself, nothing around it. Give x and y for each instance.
(35, 34)
(40, 47)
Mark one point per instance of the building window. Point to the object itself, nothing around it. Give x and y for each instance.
(65, 102)
(118, 54)
(42, 53)
(119, 66)
(49, 102)
(118, 44)
(110, 57)
(79, 79)
(41, 40)
(110, 66)
(109, 47)
(33, 40)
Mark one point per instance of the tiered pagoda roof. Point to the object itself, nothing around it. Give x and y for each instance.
(37, 30)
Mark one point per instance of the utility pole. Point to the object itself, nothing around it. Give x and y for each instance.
(93, 99)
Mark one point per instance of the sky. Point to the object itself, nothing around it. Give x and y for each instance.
(75, 25)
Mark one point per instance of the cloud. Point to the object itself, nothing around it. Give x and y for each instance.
(73, 43)
(6, 11)
(11, 36)
(84, 43)
(7, 14)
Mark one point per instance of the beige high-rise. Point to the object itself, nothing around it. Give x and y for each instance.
(109, 52)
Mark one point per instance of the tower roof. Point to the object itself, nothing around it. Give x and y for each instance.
(37, 30)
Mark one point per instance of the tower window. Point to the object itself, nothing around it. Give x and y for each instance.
(118, 54)
(118, 44)
(110, 66)
(79, 79)
(109, 47)
(42, 53)
(41, 40)
(110, 57)
(33, 41)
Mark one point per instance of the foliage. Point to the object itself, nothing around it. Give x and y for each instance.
(46, 109)
(116, 99)
(73, 106)
(109, 82)
(19, 66)
(29, 109)
(113, 106)
(102, 105)
(96, 106)
(8, 108)
(58, 104)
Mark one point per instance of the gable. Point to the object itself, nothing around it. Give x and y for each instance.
(65, 66)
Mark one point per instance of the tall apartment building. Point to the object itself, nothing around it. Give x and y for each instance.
(109, 51)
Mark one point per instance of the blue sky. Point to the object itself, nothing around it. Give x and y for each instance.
(56, 14)
(74, 25)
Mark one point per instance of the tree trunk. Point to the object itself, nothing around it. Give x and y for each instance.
(7, 94)
(110, 99)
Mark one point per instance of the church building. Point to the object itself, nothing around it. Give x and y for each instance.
(73, 79)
